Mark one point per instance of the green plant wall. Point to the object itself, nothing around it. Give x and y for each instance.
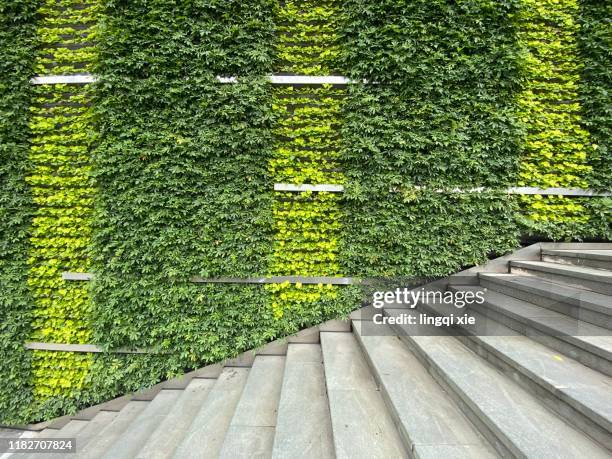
(62, 188)
(594, 38)
(595, 50)
(66, 32)
(63, 193)
(436, 114)
(559, 151)
(307, 225)
(307, 36)
(17, 48)
(183, 188)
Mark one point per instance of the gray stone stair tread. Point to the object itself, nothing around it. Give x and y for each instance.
(98, 445)
(95, 426)
(71, 430)
(168, 435)
(252, 427)
(588, 336)
(246, 442)
(582, 272)
(17, 434)
(29, 434)
(583, 388)
(206, 433)
(602, 255)
(137, 433)
(429, 420)
(361, 423)
(579, 297)
(303, 427)
(83, 431)
(526, 427)
(450, 452)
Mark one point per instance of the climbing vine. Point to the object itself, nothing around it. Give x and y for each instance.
(437, 114)
(307, 225)
(17, 50)
(307, 36)
(558, 148)
(63, 192)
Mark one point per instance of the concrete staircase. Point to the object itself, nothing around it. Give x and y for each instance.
(537, 385)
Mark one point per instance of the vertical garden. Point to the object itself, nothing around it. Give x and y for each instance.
(178, 163)
(17, 42)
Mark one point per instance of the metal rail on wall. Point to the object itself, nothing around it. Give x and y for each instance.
(335, 188)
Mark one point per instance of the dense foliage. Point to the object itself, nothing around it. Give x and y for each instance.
(62, 191)
(183, 187)
(17, 41)
(66, 31)
(307, 36)
(307, 226)
(59, 179)
(595, 47)
(437, 114)
(558, 148)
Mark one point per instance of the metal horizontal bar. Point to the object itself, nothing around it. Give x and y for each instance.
(88, 348)
(76, 276)
(297, 79)
(274, 79)
(72, 276)
(333, 188)
(308, 79)
(63, 79)
(330, 188)
(526, 191)
(227, 79)
(279, 280)
(558, 191)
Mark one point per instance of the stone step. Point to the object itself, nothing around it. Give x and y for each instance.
(430, 423)
(141, 428)
(98, 445)
(587, 343)
(361, 424)
(16, 435)
(251, 431)
(303, 425)
(512, 419)
(596, 280)
(581, 304)
(207, 431)
(163, 442)
(70, 431)
(601, 259)
(93, 427)
(578, 393)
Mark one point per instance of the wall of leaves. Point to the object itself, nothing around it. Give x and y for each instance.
(17, 47)
(158, 173)
(559, 150)
(437, 114)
